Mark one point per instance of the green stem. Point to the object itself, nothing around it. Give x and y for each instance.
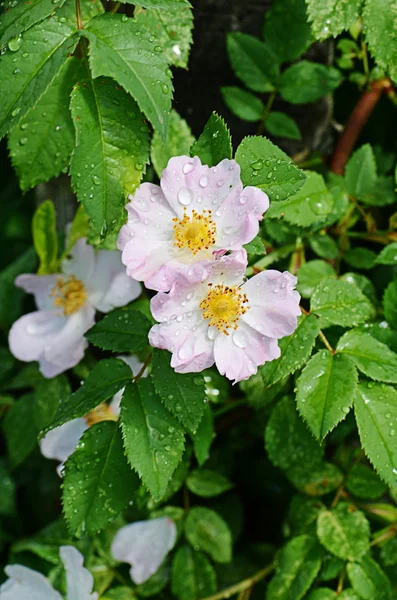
(268, 108)
(243, 585)
(141, 372)
(365, 58)
(270, 258)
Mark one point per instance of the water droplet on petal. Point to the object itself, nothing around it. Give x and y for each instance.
(203, 181)
(188, 167)
(185, 196)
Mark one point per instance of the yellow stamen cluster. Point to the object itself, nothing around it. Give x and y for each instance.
(223, 306)
(69, 294)
(196, 232)
(103, 412)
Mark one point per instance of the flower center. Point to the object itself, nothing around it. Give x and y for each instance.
(69, 294)
(223, 306)
(103, 412)
(196, 232)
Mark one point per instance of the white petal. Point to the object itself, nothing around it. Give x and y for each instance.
(109, 286)
(31, 333)
(79, 580)
(40, 286)
(81, 261)
(26, 584)
(144, 545)
(61, 442)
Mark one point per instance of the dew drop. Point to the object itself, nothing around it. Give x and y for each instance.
(185, 196)
(203, 181)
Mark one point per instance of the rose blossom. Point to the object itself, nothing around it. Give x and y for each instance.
(54, 334)
(197, 210)
(225, 321)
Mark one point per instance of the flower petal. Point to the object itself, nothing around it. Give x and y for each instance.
(26, 584)
(187, 184)
(61, 442)
(80, 261)
(31, 333)
(239, 354)
(39, 285)
(109, 286)
(79, 579)
(239, 216)
(274, 304)
(144, 545)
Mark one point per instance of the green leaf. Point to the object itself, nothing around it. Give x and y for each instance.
(388, 552)
(17, 17)
(205, 530)
(368, 580)
(344, 531)
(388, 256)
(20, 430)
(107, 162)
(330, 17)
(214, 144)
(255, 247)
(281, 125)
(305, 82)
(349, 594)
(45, 237)
(98, 481)
(119, 48)
(47, 396)
(390, 303)
(286, 29)
(204, 435)
(253, 61)
(302, 514)
(363, 283)
(106, 378)
(182, 394)
(11, 297)
(363, 482)
(172, 25)
(324, 245)
(340, 303)
(311, 204)
(311, 274)
(360, 258)
(315, 480)
(322, 593)
(177, 143)
(371, 357)
(243, 104)
(40, 148)
(264, 165)
(40, 56)
(360, 174)
(159, 3)
(288, 441)
(153, 440)
(375, 406)
(207, 484)
(78, 229)
(325, 391)
(123, 330)
(298, 565)
(193, 576)
(295, 351)
(379, 27)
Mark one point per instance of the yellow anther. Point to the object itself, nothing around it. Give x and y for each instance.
(69, 294)
(223, 306)
(196, 232)
(103, 412)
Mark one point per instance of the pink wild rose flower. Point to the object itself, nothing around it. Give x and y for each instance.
(176, 227)
(225, 321)
(66, 302)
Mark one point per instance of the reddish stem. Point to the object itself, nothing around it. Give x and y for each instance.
(356, 122)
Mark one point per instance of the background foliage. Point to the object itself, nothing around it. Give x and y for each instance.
(284, 487)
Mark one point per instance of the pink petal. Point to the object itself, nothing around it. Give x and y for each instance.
(229, 268)
(186, 183)
(109, 286)
(239, 354)
(31, 333)
(239, 217)
(274, 304)
(39, 285)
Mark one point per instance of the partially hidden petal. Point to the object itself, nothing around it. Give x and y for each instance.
(79, 579)
(26, 584)
(144, 545)
(109, 286)
(80, 261)
(61, 442)
(40, 286)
